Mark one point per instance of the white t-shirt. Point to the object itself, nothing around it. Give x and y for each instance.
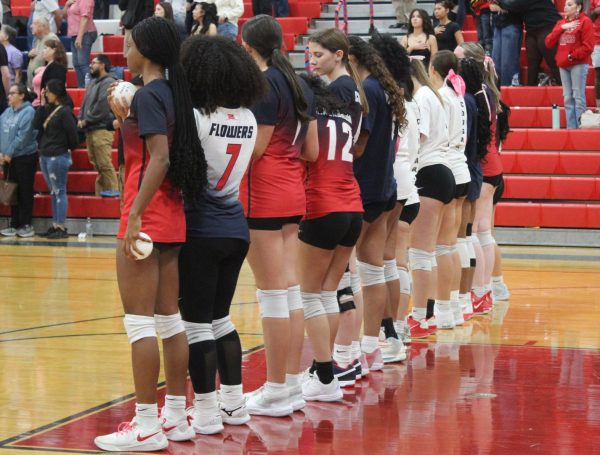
(434, 147)
(407, 147)
(45, 9)
(456, 115)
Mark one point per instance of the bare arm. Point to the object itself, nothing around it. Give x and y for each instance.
(433, 47)
(82, 28)
(5, 78)
(263, 137)
(359, 148)
(458, 36)
(310, 148)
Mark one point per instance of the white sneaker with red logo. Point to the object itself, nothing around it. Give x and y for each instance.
(130, 437)
(180, 430)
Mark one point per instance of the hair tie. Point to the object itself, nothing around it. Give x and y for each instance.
(487, 101)
(458, 83)
(488, 63)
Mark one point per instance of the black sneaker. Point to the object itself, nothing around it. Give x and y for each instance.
(345, 376)
(399, 25)
(50, 230)
(59, 234)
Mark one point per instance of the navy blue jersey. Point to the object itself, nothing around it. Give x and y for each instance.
(374, 170)
(346, 91)
(473, 160)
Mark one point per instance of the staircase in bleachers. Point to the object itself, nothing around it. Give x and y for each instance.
(551, 175)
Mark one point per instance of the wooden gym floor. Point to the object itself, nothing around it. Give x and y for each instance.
(524, 380)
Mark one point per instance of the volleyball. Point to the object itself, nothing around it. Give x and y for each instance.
(124, 91)
(145, 247)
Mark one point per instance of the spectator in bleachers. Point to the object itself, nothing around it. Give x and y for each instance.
(508, 37)
(402, 9)
(262, 7)
(82, 30)
(205, 19)
(57, 135)
(483, 20)
(8, 36)
(229, 11)
(595, 16)
(134, 11)
(96, 118)
(5, 75)
(49, 10)
(42, 34)
(18, 154)
(574, 36)
(447, 33)
(56, 68)
(539, 17)
(420, 41)
(164, 9)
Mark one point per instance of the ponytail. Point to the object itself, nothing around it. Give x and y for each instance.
(472, 75)
(279, 61)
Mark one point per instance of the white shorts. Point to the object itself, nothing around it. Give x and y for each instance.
(596, 56)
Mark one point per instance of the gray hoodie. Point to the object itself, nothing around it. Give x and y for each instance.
(94, 109)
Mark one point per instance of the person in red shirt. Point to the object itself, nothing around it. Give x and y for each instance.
(574, 36)
(595, 16)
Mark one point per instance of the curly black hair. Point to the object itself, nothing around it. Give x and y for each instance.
(221, 73)
(397, 61)
(325, 101)
(503, 123)
(472, 74)
(158, 40)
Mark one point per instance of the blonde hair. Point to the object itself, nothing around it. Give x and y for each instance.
(417, 70)
(476, 52)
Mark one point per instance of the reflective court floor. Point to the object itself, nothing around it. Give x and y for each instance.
(525, 379)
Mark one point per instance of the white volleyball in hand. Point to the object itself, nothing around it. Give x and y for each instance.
(124, 92)
(144, 247)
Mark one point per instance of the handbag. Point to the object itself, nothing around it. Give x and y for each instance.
(590, 119)
(8, 191)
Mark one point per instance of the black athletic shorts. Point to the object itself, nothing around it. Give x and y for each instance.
(160, 246)
(402, 202)
(494, 180)
(436, 182)
(461, 190)
(272, 224)
(410, 212)
(329, 231)
(499, 191)
(374, 209)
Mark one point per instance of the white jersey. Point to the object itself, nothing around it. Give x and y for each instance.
(407, 148)
(434, 148)
(456, 115)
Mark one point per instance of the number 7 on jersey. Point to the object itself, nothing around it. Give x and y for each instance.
(234, 151)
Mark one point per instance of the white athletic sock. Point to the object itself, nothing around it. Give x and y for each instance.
(206, 401)
(497, 280)
(231, 395)
(292, 380)
(174, 408)
(479, 291)
(356, 352)
(454, 295)
(274, 387)
(369, 344)
(399, 325)
(342, 354)
(419, 314)
(146, 415)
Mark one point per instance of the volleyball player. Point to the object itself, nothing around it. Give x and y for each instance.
(163, 161)
(224, 83)
(373, 168)
(329, 58)
(443, 74)
(272, 193)
(436, 186)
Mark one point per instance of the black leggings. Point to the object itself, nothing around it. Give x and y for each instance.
(597, 83)
(536, 51)
(21, 170)
(208, 273)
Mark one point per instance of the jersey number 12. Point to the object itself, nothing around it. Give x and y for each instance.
(347, 130)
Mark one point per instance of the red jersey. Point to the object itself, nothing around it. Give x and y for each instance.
(491, 164)
(273, 186)
(163, 219)
(330, 183)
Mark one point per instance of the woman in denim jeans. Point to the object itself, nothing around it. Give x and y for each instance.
(83, 33)
(574, 36)
(58, 134)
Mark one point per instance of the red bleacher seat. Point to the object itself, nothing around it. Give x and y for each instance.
(516, 140)
(540, 96)
(79, 207)
(77, 95)
(526, 187)
(579, 163)
(537, 117)
(295, 25)
(77, 182)
(564, 215)
(552, 187)
(81, 161)
(116, 58)
(112, 43)
(530, 162)
(520, 214)
(545, 139)
(305, 9)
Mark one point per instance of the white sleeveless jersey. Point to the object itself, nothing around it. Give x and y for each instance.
(406, 151)
(456, 115)
(434, 148)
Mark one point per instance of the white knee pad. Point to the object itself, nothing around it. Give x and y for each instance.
(420, 259)
(463, 253)
(485, 238)
(168, 326)
(345, 282)
(138, 327)
(313, 305)
(370, 275)
(273, 303)
(404, 277)
(355, 283)
(390, 270)
(294, 298)
(433, 260)
(330, 302)
(222, 327)
(197, 333)
(470, 241)
(442, 250)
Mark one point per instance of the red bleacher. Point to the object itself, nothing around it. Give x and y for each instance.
(559, 163)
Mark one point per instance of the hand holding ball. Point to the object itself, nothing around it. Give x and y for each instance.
(144, 247)
(124, 92)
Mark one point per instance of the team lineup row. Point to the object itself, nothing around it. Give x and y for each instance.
(332, 185)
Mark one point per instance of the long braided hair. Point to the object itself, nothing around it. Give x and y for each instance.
(158, 40)
(470, 71)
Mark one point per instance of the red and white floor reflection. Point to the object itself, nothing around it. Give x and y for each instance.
(447, 399)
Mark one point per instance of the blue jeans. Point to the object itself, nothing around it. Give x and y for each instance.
(55, 170)
(573, 82)
(507, 52)
(228, 29)
(485, 32)
(81, 57)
